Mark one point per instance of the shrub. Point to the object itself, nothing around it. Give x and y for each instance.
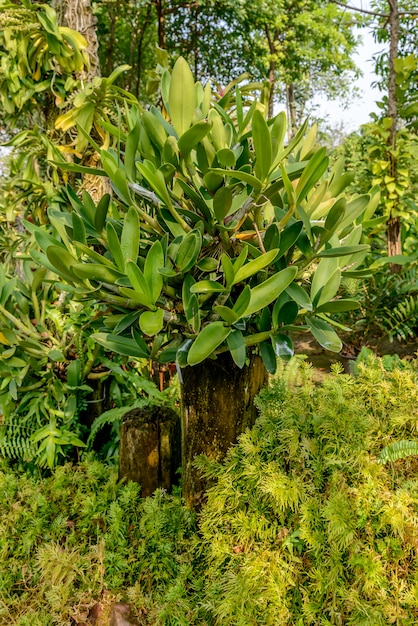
(305, 525)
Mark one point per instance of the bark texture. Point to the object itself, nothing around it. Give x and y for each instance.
(78, 15)
(150, 448)
(217, 406)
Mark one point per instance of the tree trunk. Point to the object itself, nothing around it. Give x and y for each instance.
(291, 107)
(78, 15)
(159, 5)
(112, 34)
(272, 67)
(217, 406)
(150, 444)
(394, 223)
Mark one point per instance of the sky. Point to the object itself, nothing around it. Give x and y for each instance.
(359, 110)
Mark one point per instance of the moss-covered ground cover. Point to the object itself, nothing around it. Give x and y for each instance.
(312, 519)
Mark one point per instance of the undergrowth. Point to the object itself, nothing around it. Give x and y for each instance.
(311, 520)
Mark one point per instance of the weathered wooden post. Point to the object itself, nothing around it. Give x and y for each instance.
(150, 448)
(217, 406)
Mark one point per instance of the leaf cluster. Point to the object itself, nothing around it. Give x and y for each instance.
(219, 235)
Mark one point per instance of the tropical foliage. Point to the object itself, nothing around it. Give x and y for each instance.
(216, 218)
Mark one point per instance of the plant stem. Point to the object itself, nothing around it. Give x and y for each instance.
(29, 332)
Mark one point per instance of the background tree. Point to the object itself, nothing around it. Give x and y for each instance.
(392, 22)
(304, 47)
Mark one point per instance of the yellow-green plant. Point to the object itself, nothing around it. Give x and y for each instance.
(38, 57)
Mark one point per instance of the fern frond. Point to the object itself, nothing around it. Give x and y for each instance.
(108, 418)
(16, 442)
(403, 318)
(398, 450)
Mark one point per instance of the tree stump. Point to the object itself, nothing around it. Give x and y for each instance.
(150, 448)
(217, 406)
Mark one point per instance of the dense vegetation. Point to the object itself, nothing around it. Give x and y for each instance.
(153, 221)
(312, 519)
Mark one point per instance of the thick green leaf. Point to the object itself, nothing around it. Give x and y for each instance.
(236, 346)
(74, 373)
(265, 293)
(189, 140)
(208, 264)
(196, 198)
(226, 157)
(94, 271)
(193, 313)
(269, 356)
(337, 306)
(140, 341)
(228, 315)
(188, 251)
(285, 314)
(117, 176)
(114, 246)
(156, 180)
(131, 149)
(240, 175)
(222, 202)
(98, 258)
(181, 97)
(129, 240)
(317, 165)
(138, 297)
(335, 215)
(45, 240)
(101, 212)
(325, 269)
(262, 145)
(343, 251)
(137, 279)
(288, 237)
(353, 210)
(254, 266)
(154, 129)
(240, 260)
(209, 338)
(328, 290)
(228, 270)
(324, 334)
(120, 345)
(272, 237)
(207, 286)
(62, 261)
(182, 353)
(242, 302)
(153, 261)
(79, 230)
(282, 346)
(151, 322)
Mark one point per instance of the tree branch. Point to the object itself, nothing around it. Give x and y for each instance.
(367, 12)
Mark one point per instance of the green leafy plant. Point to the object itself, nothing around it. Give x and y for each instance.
(222, 238)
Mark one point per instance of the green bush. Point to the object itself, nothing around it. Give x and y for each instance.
(306, 524)
(312, 519)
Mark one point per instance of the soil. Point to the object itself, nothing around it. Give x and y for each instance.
(323, 359)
